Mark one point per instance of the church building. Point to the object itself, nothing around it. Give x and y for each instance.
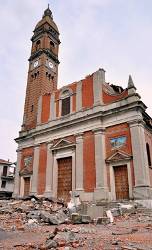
(88, 137)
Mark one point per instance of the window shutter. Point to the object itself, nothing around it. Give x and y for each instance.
(66, 106)
(5, 171)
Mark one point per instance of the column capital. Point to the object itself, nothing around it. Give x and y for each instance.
(37, 145)
(136, 123)
(50, 146)
(100, 130)
(49, 143)
(79, 136)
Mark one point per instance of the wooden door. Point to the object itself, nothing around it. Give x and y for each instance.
(121, 182)
(26, 186)
(64, 178)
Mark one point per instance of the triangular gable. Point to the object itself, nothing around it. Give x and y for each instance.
(62, 143)
(118, 156)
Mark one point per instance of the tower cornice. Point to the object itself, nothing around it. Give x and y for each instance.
(47, 52)
(42, 31)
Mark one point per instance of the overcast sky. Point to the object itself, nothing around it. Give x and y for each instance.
(112, 34)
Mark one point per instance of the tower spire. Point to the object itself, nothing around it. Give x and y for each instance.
(130, 82)
(131, 86)
(48, 12)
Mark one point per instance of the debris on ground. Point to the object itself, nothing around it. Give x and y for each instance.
(38, 223)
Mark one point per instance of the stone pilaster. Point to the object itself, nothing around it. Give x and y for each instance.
(100, 164)
(35, 170)
(52, 107)
(98, 80)
(16, 192)
(79, 163)
(39, 110)
(140, 162)
(79, 96)
(49, 172)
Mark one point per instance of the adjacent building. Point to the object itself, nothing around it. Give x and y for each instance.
(7, 174)
(90, 136)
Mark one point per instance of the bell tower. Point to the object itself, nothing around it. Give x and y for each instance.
(43, 66)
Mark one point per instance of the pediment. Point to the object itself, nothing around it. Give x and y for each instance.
(62, 144)
(118, 156)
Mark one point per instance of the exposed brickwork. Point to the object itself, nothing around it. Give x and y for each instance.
(42, 169)
(89, 162)
(45, 108)
(113, 98)
(87, 92)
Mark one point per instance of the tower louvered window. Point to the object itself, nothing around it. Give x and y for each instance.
(148, 154)
(65, 106)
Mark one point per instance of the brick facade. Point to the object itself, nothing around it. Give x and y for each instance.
(42, 169)
(89, 162)
(87, 92)
(45, 108)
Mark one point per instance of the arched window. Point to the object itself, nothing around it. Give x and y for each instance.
(32, 108)
(37, 46)
(65, 102)
(52, 45)
(148, 154)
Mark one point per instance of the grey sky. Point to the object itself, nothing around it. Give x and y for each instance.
(113, 34)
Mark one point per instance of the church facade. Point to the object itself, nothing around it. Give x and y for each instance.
(89, 137)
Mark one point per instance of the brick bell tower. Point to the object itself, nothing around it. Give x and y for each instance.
(43, 67)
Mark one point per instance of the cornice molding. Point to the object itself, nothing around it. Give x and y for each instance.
(49, 53)
(82, 116)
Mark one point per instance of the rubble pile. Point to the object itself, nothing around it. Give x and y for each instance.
(38, 223)
(65, 237)
(19, 214)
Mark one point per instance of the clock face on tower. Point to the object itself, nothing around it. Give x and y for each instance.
(36, 63)
(51, 65)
